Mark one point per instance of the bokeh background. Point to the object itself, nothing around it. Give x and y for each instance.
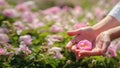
(33, 33)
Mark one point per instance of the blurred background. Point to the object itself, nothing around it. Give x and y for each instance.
(33, 33)
(43, 4)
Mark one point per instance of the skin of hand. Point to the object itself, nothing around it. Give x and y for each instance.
(81, 34)
(103, 41)
(90, 33)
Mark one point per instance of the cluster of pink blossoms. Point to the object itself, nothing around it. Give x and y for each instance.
(62, 19)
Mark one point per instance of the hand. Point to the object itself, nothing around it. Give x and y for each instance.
(101, 45)
(83, 33)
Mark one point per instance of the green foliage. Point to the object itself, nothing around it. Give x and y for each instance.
(4, 18)
(39, 58)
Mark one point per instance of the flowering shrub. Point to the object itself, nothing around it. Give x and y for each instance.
(37, 39)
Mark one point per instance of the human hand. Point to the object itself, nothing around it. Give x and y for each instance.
(81, 34)
(101, 44)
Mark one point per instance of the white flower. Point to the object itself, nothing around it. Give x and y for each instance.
(26, 39)
(57, 54)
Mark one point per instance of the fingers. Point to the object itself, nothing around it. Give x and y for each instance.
(87, 53)
(94, 52)
(82, 53)
(76, 51)
(105, 46)
(70, 44)
(79, 56)
(73, 33)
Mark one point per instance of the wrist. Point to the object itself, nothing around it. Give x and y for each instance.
(107, 23)
(114, 33)
(96, 32)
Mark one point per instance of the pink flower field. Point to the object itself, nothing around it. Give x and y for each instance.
(33, 33)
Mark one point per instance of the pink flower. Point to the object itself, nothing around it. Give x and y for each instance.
(3, 30)
(55, 28)
(28, 17)
(57, 54)
(4, 38)
(52, 10)
(51, 39)
(3, 3)
(80, 25)
(18, 26)
(89, 15)
(26, 39)
(100, 13)
(56, 38)
(118, 45)
(66, 8)
(11, 13)
(2, 51)
(112, 49)
(22, 7)
(25, 49)
(30, 4)
(26, 6)
(112, 52)
(35, 25)
(78, 11)
(84, 45)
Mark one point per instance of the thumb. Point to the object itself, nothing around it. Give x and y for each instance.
(94, 52)
(73, 33)
(85, 52)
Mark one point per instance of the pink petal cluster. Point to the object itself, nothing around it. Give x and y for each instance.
(113, 47)
(80, 25)
(112, 52)
(11, 13)
(25, 49)
(28, 17)
(100, 13)
(4, 38)
(65, 8)
(25, 6)
(118, 45)
(55, 28)
(51, 39)
(3, 3)
(22, 7)
(84, 45)
(3, 30)
(26, 39)
(18, 26)
(2, 51)
(57, 54)
(89, 15)
(30, 4)
(78, 11)
(52, 10)
(35, 25)
(56, 38)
